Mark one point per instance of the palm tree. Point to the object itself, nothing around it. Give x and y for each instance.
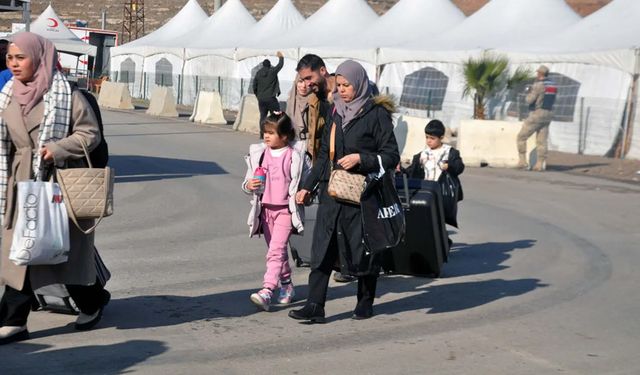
(486, 76)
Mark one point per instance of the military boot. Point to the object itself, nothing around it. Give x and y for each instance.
(522, 162)
(540, 165)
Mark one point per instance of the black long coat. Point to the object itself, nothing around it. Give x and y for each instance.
(369, 134)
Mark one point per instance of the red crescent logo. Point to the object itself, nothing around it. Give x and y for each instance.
(54, 23)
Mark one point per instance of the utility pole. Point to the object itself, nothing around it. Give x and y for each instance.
(132, 20)
(103, 18)
(26, 15)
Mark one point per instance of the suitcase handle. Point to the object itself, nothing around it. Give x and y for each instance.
(405, 182)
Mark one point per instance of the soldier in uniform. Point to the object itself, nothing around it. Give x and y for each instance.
(540, 97)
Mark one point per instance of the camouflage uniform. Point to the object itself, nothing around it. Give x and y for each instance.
(540, 98)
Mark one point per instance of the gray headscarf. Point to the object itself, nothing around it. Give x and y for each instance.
(357, 77)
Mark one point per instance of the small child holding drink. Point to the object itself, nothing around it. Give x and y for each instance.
(275, 169)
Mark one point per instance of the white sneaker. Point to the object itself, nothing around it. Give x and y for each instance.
(287, 293)
(9, 334)
(262, 299)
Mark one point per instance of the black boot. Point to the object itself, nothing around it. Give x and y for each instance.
(366, 294)
(311, 312)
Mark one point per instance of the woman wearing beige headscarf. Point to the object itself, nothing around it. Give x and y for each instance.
(297, 105)
(43, 121)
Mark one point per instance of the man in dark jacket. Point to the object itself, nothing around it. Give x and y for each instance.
(313, 72)
(267, 88)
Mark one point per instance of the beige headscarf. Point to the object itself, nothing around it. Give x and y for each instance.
(43, 54)
(295, 105)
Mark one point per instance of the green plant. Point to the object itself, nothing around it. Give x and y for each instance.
(487, 76)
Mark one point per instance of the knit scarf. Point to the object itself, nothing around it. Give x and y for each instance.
(54, 126)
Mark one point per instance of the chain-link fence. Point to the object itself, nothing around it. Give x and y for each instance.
(186, 87)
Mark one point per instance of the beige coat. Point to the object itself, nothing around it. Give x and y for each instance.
(80, 268)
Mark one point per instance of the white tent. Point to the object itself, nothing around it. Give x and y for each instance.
(600, 52)
(188, 18)
(406, 20)
(144, 53)
(50, 26)
(335, 20)
(607, 37)
(209, 53)
(280, 20)
(497, 23)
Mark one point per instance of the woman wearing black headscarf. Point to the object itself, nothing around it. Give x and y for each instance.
(364, 131)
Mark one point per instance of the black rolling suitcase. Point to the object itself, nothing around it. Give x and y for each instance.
(301, 245)
(55, 297)
(424, 247)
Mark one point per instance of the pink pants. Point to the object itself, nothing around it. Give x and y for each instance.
(276, 225)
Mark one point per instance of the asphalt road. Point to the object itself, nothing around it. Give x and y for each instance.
(542, 278)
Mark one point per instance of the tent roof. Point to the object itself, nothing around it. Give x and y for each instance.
(283, 17)
(188, 18)
(50, 26)
(336, 20)
(407, 20)
(614, 26)
(412, 20)
(223, 29)
(503, 22)
(608, 37)
(498, 23)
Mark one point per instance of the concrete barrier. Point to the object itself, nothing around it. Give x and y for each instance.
(115, 95)
(248, 119)
(208, 109)
(409, 132)
(162, 103)
(492, 143)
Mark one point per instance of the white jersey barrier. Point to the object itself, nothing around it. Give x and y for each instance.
(162, 103)
(115, 95)
(492, 143)
(208, 109)
(248, 119)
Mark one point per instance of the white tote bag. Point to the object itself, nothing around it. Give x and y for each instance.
(41, 233)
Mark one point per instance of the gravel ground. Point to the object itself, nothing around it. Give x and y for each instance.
(626, 170)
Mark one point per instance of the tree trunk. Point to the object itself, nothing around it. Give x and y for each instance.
(479, 108)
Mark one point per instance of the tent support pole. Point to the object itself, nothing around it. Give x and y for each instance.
(628, 129)
(378, 67)
(581, 128)
(181, 86)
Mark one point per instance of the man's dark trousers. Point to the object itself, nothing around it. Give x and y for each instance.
(266, 106)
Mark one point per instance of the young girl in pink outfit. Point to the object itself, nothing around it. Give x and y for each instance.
(274, 211)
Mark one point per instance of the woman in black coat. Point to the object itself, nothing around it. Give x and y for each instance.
(364, 131)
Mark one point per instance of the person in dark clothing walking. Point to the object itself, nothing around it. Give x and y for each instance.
(267, 88)
(364, 139)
